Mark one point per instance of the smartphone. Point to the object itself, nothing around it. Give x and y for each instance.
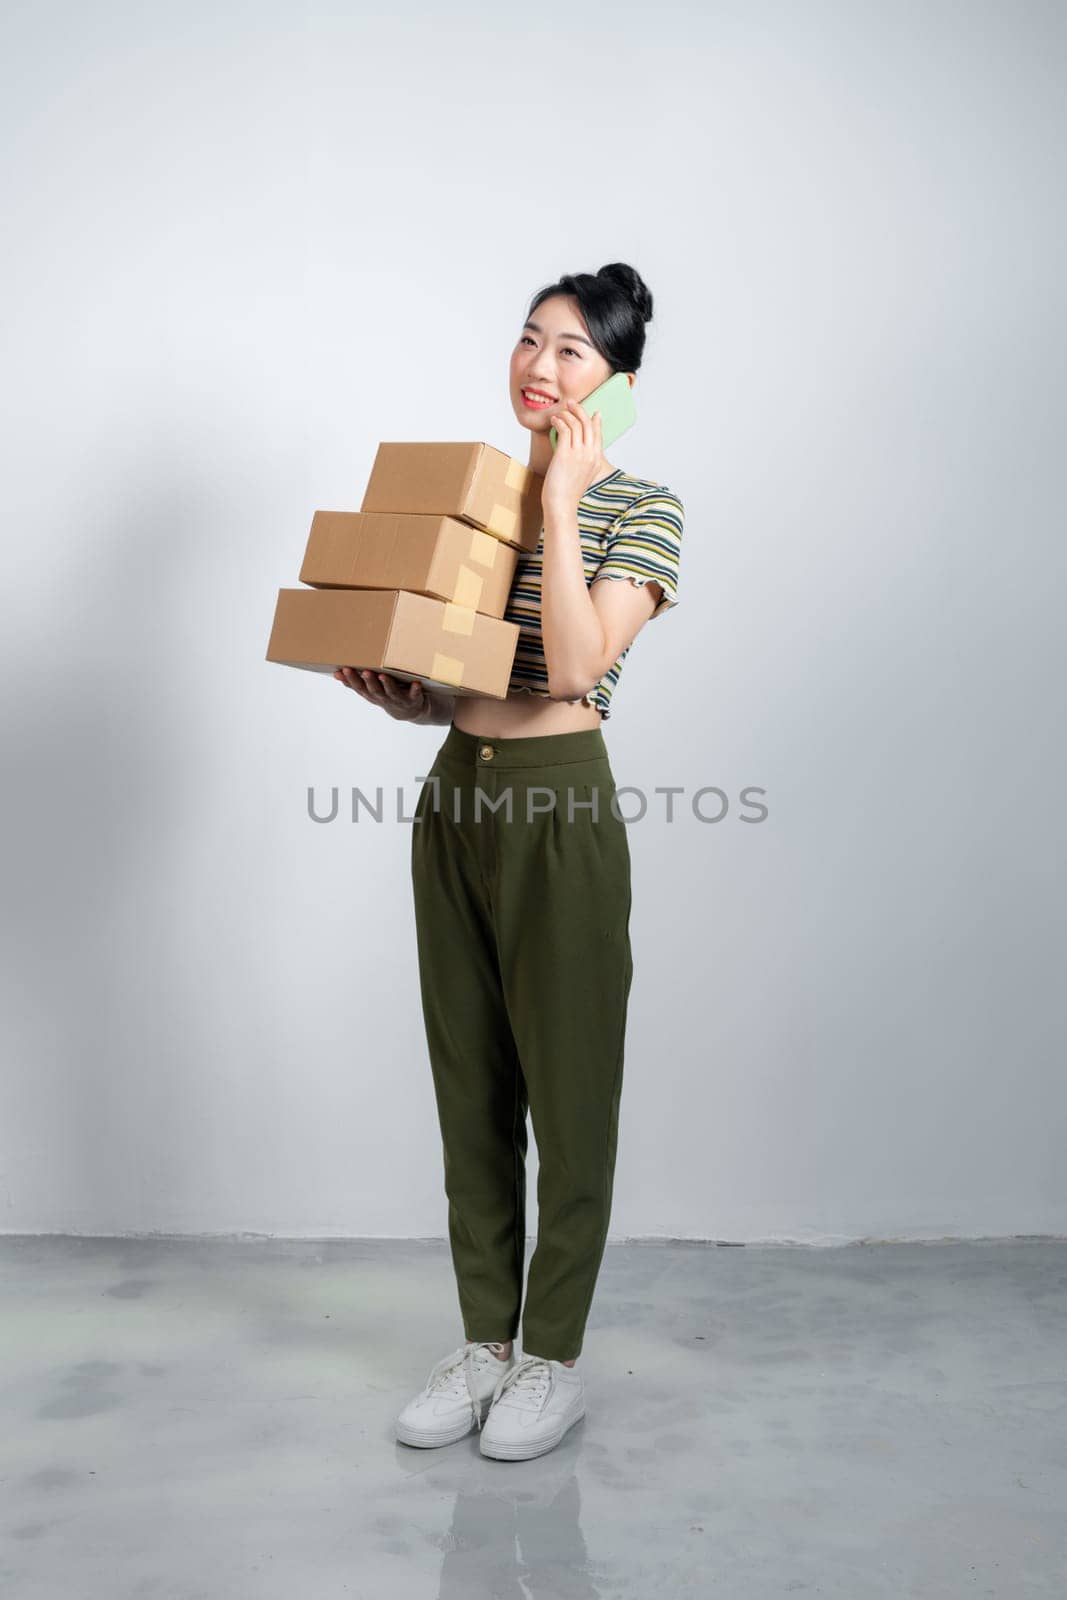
(614, 399)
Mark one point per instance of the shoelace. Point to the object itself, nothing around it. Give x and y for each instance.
(457, 1368)
(529, 1381)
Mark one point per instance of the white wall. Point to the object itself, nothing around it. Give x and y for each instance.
(244, 244)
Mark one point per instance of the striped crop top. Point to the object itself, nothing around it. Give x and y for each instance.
(629, 528)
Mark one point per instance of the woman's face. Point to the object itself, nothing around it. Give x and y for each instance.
(556, 356)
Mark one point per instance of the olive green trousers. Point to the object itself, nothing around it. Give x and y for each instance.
(521, 877)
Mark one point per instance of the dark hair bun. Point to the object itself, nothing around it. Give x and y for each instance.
(624, 276)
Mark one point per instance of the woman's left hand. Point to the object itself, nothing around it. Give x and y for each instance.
(576, 460)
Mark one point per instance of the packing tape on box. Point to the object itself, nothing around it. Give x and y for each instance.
(503, 521)
(468, 588)
(446, 669)
(457, 618)
(516, 475)
(483, 548)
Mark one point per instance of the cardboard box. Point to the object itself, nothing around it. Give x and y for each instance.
(391, 630)
(474, 482)
(437, 556)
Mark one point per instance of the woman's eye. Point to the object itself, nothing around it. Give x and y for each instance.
(568, 349)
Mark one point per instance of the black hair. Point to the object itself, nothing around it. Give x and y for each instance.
(616, 303)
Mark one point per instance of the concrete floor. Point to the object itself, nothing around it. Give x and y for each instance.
(214, 1419)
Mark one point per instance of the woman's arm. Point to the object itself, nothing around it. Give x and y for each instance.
(570, 628)
(441, 706)
(582, 635)
(584, 629)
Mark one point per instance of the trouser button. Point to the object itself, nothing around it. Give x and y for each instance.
(486, 752)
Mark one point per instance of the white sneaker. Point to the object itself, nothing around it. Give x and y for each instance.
(533, 1405)
(456, 1395)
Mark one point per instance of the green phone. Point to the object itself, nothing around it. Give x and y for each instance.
(614, 399)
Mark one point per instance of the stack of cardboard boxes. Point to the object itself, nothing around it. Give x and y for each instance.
(416, 582)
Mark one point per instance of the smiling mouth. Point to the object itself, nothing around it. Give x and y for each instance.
(537, 402)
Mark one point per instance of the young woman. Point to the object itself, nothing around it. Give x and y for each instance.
(522, 900)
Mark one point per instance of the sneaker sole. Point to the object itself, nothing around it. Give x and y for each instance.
(423, 1439)
(524, 1452)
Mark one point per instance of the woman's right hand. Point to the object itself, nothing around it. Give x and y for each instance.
(404, 701)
